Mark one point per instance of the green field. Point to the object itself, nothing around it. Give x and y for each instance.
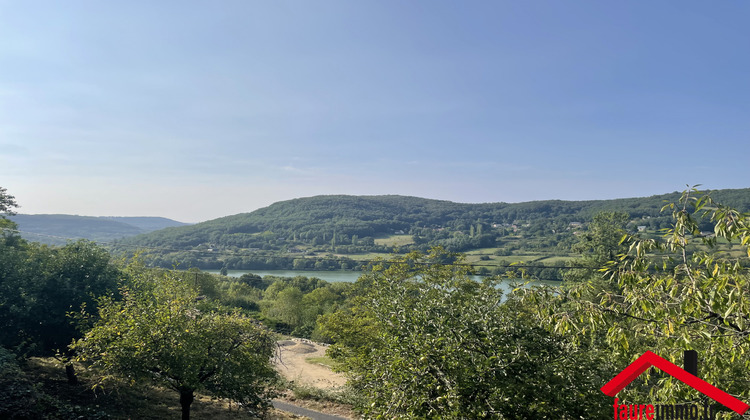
(474, 257)
(395, 240)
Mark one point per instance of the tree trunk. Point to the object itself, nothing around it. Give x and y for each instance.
(186, 398)
(70, 372)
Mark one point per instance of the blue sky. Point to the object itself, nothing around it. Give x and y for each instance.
(195, 110)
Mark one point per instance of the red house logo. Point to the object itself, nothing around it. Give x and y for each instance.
(649, 359)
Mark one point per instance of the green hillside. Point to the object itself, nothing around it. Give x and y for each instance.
(331, 232)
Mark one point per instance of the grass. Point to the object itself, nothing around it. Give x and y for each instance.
(501, 260)
(395, 240)
(482, 251)
(367, 257)
(474, 256)
(556, 259)
(372, 256)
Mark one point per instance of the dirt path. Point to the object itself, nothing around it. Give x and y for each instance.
(294, 366)
(305, 412)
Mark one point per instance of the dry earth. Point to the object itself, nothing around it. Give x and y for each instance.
(293, 365)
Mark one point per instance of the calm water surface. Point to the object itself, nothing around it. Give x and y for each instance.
(329, 276)
(338, 276)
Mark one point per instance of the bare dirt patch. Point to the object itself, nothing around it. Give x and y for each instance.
(292, 364)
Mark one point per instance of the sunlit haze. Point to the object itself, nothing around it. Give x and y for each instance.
(196, 110)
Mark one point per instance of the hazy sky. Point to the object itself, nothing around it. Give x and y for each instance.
(195, 110)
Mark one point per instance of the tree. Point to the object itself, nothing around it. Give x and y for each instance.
(40, 285)
(7, 203)
(287, 307)
(161, 332)
(601, 243)
(204, 283)
(680, 292)
(424, 340)
(254, 280)
(64, 280)
(299, 264)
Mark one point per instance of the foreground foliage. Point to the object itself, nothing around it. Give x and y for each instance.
(419, 338)
(670, 295)
(41, 284)
(424, 340)
(162, 331)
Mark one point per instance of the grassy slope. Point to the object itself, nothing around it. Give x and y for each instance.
(146, 402)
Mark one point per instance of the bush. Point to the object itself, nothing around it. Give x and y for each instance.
(20, 398)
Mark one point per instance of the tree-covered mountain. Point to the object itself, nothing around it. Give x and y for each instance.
(287, 234)
(57, 229)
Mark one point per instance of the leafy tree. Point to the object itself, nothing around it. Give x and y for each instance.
(240, 295)
(287, 307)
(300, 264)
(63, 280)
(7, 203)
(204, 283)
(304, 284)
(599, 244)
(293, 304)
(7, 227)
(602, 241)
(254, 280)
(320, 301)
(160, 332)
(40, 285)
(671, 294)
(424, 340)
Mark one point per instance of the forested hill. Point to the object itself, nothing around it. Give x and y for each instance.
(345, 225)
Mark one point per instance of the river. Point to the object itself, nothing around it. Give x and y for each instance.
(341, 275)
(329, 276)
